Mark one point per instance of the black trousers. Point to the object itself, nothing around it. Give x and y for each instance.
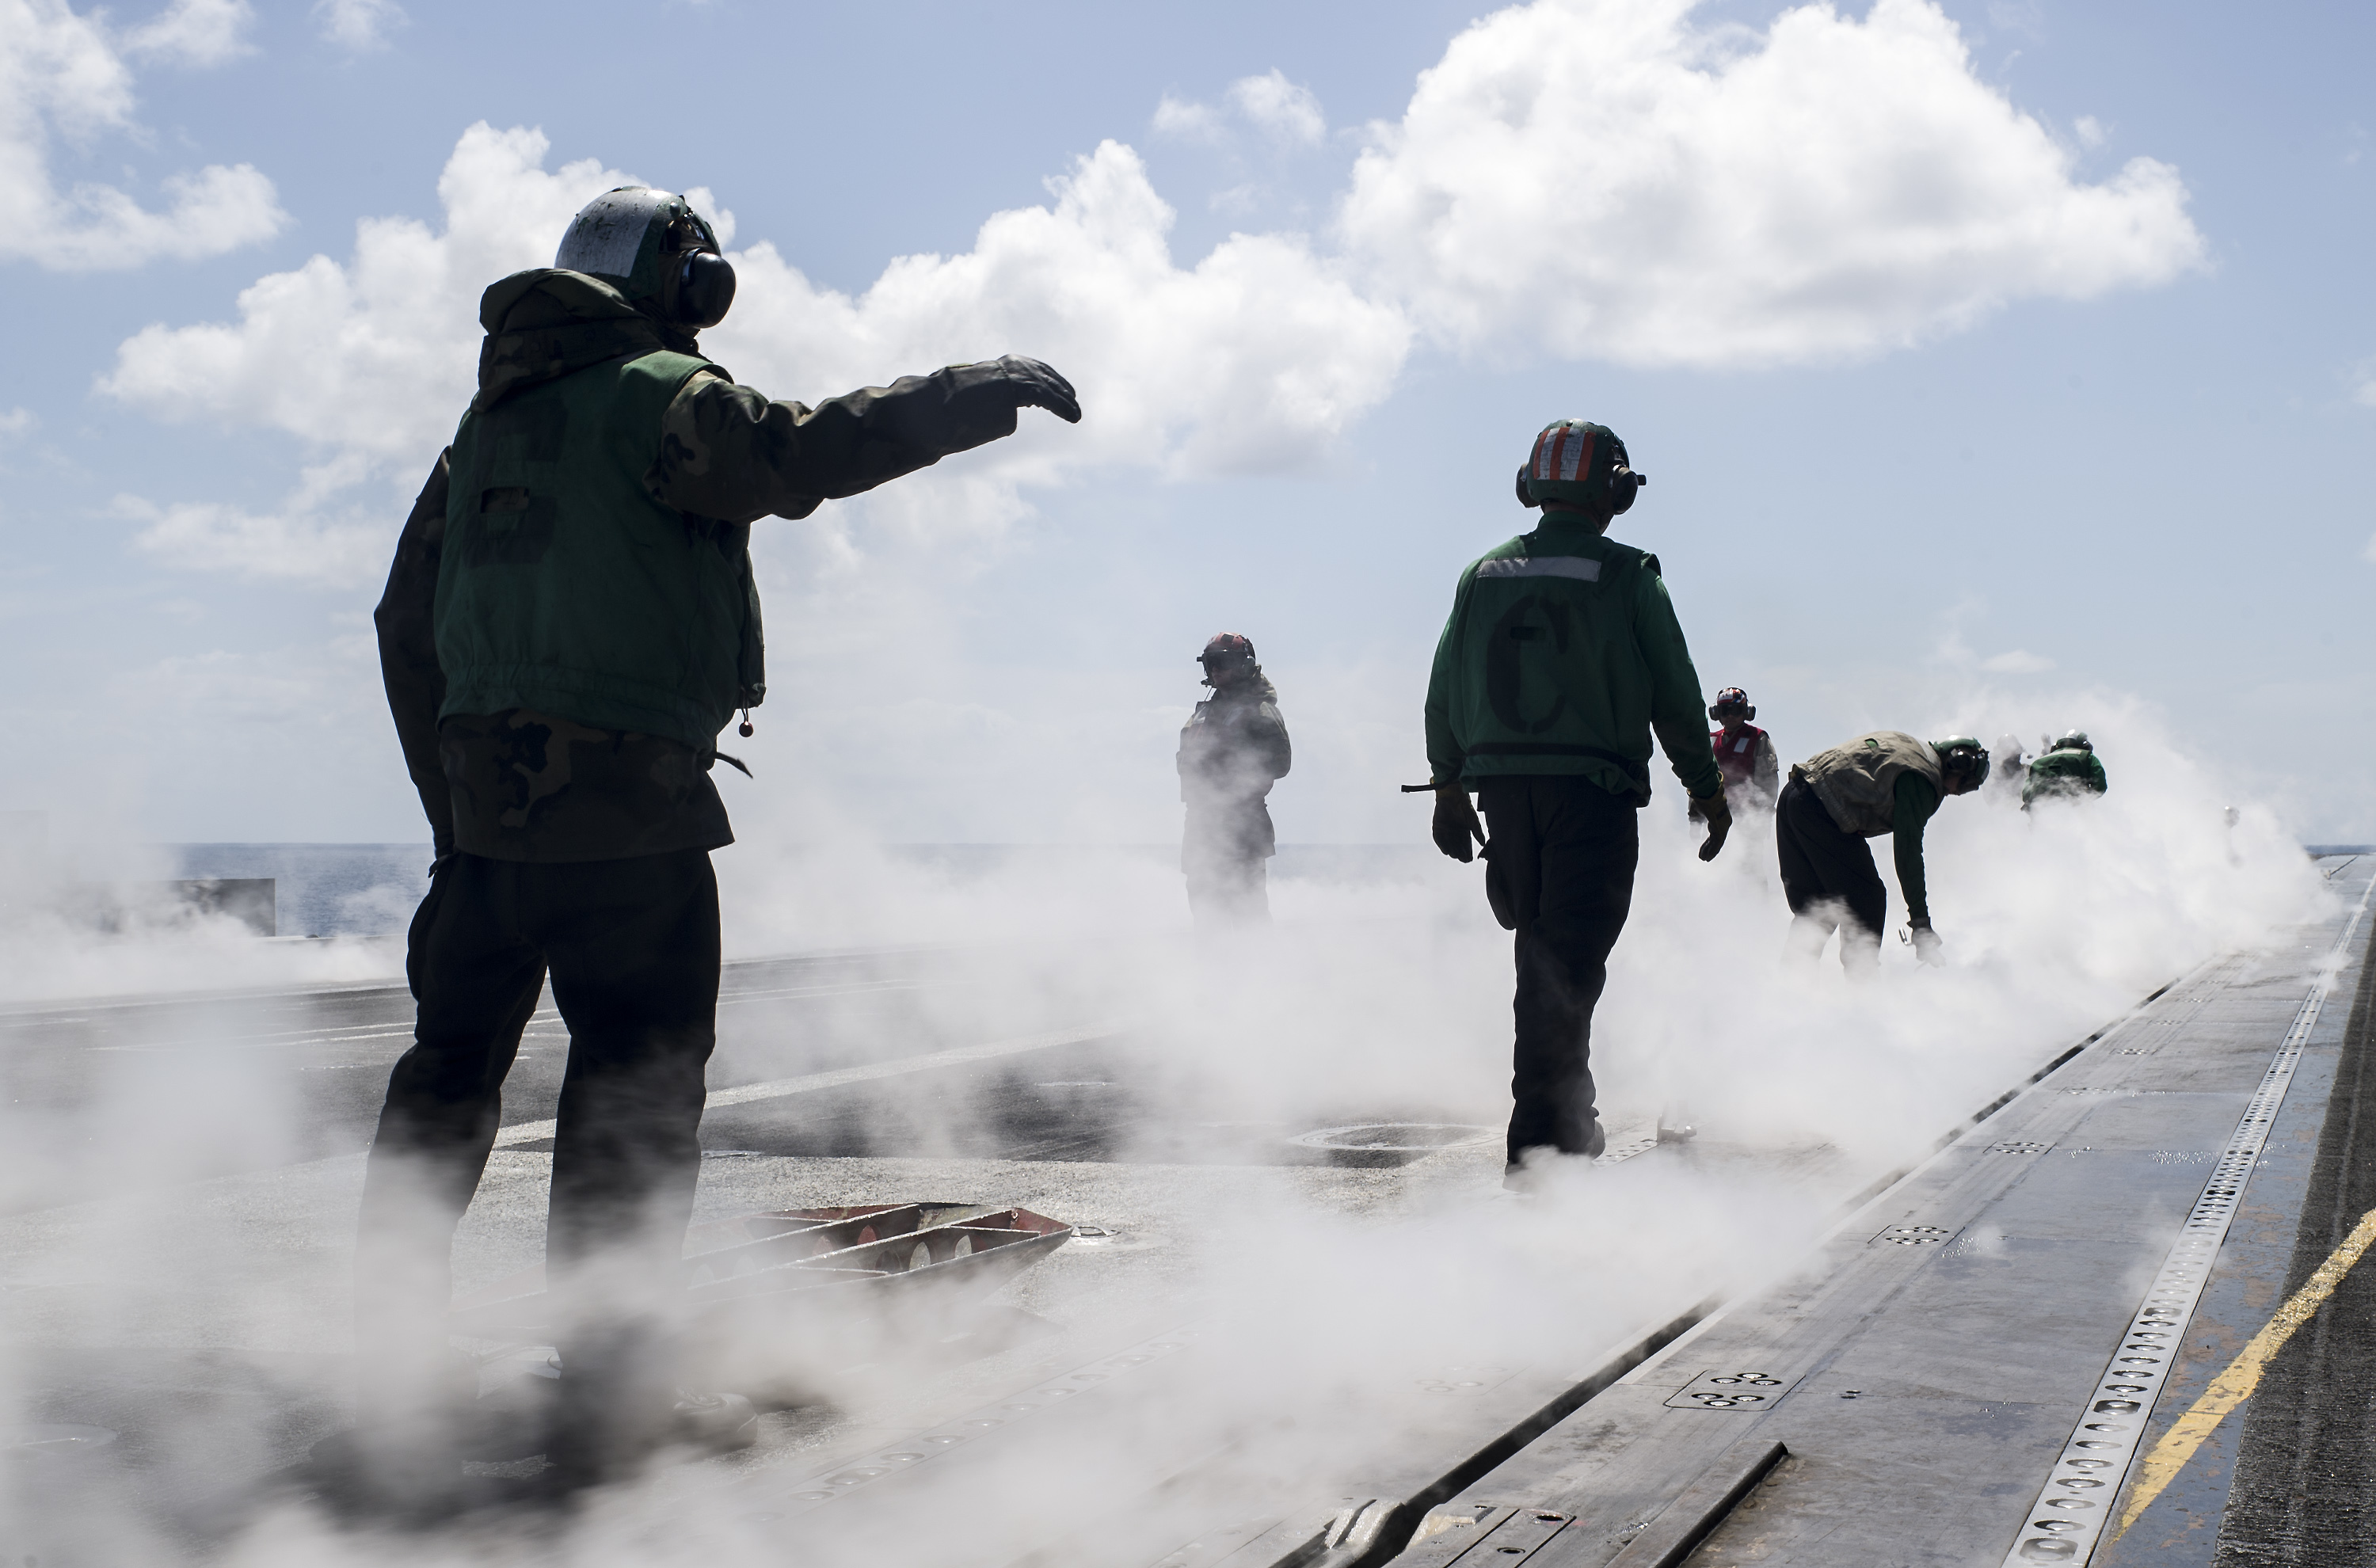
(631, 948)
(1829, 878)
(1562, 867)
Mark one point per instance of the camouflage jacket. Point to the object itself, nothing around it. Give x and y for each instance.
(524, 786)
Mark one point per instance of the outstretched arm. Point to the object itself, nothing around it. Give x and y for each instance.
(728, 452)
(407, 652)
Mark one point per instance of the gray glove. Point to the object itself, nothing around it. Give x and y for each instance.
(1927, 946)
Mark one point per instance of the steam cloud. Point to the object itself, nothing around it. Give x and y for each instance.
(1324, 1298)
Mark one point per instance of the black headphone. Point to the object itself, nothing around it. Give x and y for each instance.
(1970, 757)
(1624, 484)
(697, 289)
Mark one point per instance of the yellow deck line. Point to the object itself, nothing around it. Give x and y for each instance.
(2243, 1375)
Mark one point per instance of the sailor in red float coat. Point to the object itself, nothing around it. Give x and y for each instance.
(1744, 754)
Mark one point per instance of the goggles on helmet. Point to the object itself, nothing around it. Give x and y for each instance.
(653, 247)
(1961, 755)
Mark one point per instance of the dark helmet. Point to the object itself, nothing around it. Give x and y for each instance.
(1227, 659)
(655, 250)
(1960, 756)
(2072, 740)
(1729, 701)
(1225, 655)
(1580, 464)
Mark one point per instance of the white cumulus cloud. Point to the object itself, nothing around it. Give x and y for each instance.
(1279, 107)
(1604, 179)
(359, 25)
(1186, 119)
(321, 536)
(195, 32)
(1253, 359)
(2020, 661)
(61, 74)
(292, 546)
(375, 355)
(1578, 179)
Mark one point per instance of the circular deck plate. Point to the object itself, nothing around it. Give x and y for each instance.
(1395, 1137)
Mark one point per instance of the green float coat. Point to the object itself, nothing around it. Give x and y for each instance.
(2069, 773)
(1561, 655)
(565, 588)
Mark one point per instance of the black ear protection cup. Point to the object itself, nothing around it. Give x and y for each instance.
(698, 290)
(1624, 484)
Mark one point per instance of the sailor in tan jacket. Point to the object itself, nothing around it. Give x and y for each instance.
(1884, 781)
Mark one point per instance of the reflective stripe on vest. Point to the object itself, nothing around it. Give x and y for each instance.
(1582, 568)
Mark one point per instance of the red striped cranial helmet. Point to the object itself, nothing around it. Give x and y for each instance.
(1580, 464)
(1729, 701)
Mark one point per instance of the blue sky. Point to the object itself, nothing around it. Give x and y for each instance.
(1957, 415)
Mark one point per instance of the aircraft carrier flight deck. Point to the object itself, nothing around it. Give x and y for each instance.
(2113, 1312)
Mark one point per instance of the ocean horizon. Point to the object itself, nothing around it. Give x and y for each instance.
(370, 889)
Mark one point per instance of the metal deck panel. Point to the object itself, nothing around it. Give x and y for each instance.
(1937, 1384)
(2181, 1527)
